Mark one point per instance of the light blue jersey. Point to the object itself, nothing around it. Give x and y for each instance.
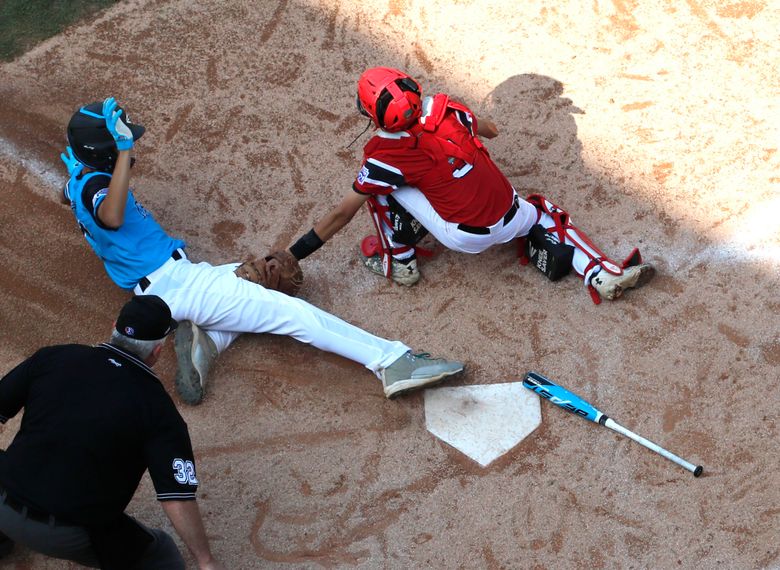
(129, 252)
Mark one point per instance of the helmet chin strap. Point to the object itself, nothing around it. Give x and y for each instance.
(368, 126)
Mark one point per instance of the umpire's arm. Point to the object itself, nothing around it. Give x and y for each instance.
(186, 519)
(15, 387)
(169, 457)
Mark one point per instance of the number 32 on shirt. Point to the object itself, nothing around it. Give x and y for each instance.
(184, 472)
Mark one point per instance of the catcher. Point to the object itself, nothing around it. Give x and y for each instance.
(213, 304)
(427, 170)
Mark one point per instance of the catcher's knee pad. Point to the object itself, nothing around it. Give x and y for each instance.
(406, 229)
(546, 252)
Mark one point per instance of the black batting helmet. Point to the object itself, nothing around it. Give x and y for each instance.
(90, 139)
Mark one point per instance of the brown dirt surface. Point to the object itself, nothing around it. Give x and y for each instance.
(653, 123)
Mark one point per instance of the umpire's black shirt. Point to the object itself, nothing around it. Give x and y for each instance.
(95, 418)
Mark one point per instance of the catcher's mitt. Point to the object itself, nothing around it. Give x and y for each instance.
(279, 271)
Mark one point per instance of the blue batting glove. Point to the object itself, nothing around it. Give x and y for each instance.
(118, 129)
(71, 162)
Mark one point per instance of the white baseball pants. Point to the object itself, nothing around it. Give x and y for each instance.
(225, 305)
(449, 235)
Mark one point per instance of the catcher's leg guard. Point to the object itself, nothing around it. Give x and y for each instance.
(588, 260)
(391, 252)
(406, 229)
(548, 254)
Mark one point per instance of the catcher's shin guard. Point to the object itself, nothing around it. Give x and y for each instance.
(547, 253)
(384, 223)
(567, 233)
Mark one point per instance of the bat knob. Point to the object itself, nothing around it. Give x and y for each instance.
(698, 470)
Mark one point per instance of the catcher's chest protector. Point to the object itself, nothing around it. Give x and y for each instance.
(444, 139)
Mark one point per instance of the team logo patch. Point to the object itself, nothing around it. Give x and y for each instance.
(98, 196)
(141, 210)
(362, 175)
(129, 331)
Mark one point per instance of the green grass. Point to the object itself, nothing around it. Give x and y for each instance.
(24, 23)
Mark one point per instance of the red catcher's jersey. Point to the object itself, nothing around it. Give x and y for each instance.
(449, 166)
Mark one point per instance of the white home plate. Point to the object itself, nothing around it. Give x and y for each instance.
(483, 422)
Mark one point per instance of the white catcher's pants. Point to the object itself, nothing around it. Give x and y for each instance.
(225, 305)
(448, 234)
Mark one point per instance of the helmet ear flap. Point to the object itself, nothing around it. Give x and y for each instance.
(382, 103)
(360, 108)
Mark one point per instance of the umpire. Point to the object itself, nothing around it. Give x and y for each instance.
(95, 418)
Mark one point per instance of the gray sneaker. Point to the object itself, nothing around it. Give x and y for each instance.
(404, 272)
(610, 286)
(415, 371)
(196, 353)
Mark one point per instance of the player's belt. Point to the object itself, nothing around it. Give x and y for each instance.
(510, 214)
(26, 511)
(144, 282)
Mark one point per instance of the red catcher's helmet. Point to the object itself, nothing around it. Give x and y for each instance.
(389, 97)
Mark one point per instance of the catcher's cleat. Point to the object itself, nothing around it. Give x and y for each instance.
(415, 371)
(610, 286)
(405, 272)
(196, 353)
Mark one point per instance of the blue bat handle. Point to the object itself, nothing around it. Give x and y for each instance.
(562, 397)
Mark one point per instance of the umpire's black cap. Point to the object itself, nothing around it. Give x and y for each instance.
(145, 317)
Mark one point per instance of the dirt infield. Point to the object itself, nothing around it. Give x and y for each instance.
(652, 123)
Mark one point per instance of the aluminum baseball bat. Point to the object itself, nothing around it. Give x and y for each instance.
(570, 402)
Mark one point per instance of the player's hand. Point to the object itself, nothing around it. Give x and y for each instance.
(71, 162)
(212, 565)
(118, 129)
(487, 129)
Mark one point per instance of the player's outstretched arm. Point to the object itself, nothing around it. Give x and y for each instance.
(340, 216)
(329, 225)
(186, 519)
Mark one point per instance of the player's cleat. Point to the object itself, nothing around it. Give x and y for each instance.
(196, 353)
(405, 272)
(610, 286)
(415, 371)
